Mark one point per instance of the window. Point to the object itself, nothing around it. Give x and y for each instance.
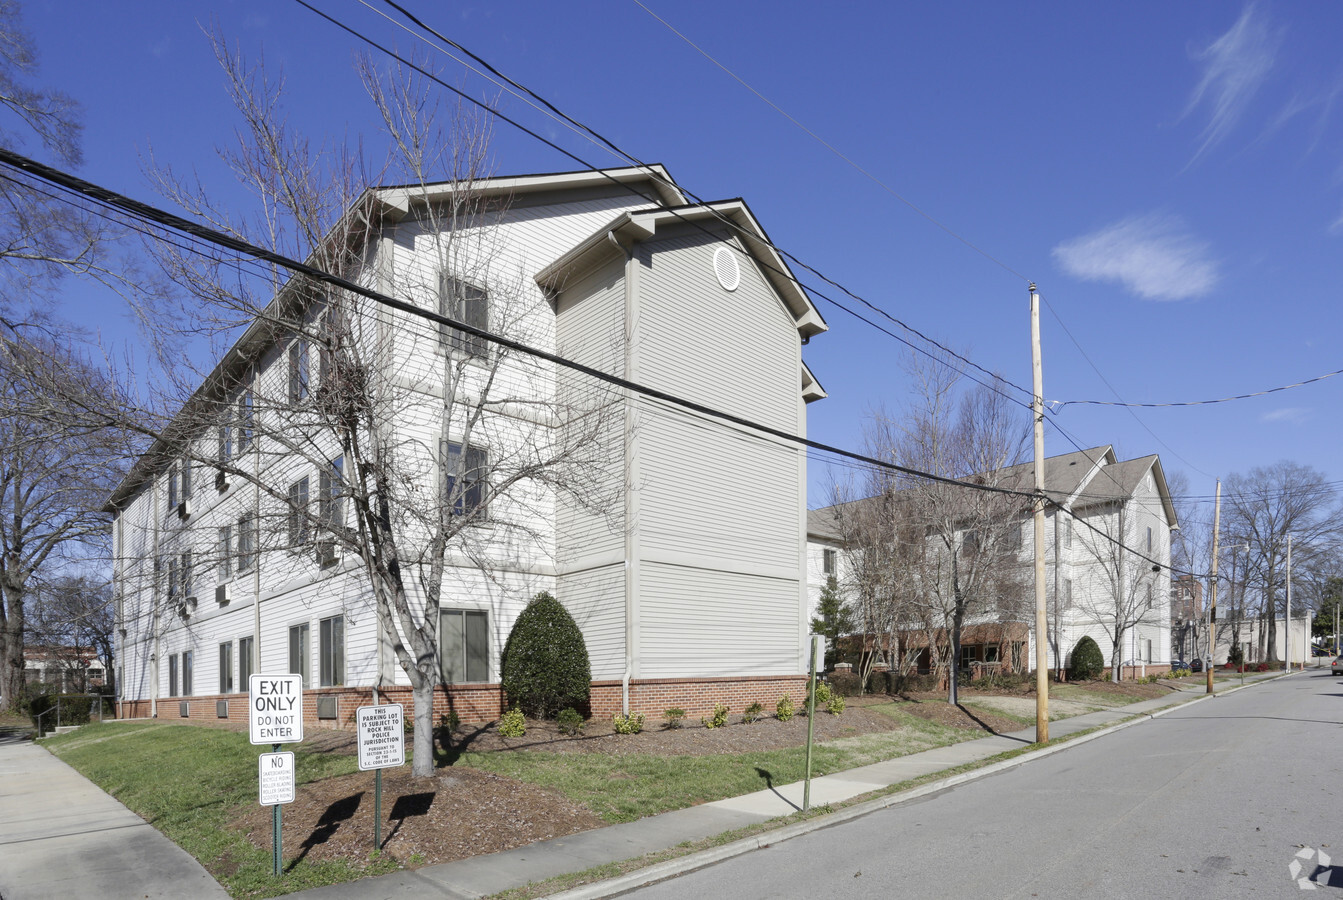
(226, 667)
(246, 542)
(298, 512)
(246, 647)
(246, 430)
(298, 370)
(172, 675)
(332, 634)
(470, 305)
(464, 650)
(1149, 538)
(184, 572)
(1149, 650)
(186, 479)
(173, 582)
(331, 327)
(331, 493)
(225, 444)
(1069, 537)
(1067, 593)
(186, 673)
(298, 652)
(1149, 596)
(464, 479)
(172, 488)
(828, 562)
(225, 550)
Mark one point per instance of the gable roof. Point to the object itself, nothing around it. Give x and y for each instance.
(1080, 479)
(634, 226)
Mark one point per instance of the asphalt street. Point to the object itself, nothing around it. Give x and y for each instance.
(1237, 796)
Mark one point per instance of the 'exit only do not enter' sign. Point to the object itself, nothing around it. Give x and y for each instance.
(275, 709)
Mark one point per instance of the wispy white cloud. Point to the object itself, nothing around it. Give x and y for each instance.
(1233, 68)
(1153, 255)
(1293, 415)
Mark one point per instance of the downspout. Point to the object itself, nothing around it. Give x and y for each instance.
(632, 469)
(154, 598)
(256, 536)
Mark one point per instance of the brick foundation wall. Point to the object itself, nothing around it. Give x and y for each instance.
(476, 703)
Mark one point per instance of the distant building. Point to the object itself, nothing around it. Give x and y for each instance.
(1186, 617)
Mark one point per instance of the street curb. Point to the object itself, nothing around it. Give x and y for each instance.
(699, 860)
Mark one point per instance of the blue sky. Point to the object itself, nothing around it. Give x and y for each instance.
(1170, 175)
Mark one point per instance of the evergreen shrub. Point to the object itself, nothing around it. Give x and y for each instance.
(545, 664)
(1087, 662)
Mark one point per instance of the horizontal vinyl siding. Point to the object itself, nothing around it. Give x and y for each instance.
(732, 350)
(699, 622)
(722, 497)
(596, 600)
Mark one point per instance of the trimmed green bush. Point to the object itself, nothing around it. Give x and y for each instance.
(752, 712)
(570, 721)
(545, 664)
(785, 709)
(1087, 663)
(631, 724)
(673, 717)
(847, 683)
(718, 719)
(512, 723)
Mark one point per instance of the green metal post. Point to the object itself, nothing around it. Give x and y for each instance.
(377, 809)
(811, 724)
(276, 850)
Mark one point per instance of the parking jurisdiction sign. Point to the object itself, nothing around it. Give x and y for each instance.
(275, 709)
(382, 736)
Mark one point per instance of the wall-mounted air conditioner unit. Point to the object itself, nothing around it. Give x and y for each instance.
(188, 607)
(223, 594)
(184, 508)
(221, 480)
(328, 554)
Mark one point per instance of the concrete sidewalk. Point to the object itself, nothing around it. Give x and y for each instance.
(62, 837)
(483, 875)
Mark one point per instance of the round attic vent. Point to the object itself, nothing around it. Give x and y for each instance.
(726, 268)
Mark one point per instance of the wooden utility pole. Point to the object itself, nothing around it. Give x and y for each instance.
(1041, 620)
(1212, 592)
(1287, 625)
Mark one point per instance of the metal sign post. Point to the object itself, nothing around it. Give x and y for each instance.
(382, 743)
(275, 717)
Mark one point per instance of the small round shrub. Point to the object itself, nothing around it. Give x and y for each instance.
(570, 721)
(785, 709)
(512, 723)
(630, 724)
(673, 717)
(752, 712)
(1087, 662)
(545, 663)
(835, 705)
(718, 719)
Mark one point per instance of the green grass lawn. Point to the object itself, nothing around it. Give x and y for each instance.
(190, 783)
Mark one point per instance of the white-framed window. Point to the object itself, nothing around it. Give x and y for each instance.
(469, 304)
(246, 542)
(464, 645)
(465, 471)
(1068, 536)
(332, 650)
(1067, 593)
(828, 561)
(174, 580)
(298, 370)
(246, 430)
(1149, 538)
(331, 494)
(224, 550)
(172, 489)
(246, 647)
(185, 573)
(299, 653)
(298, 513)
(225, 434)
(187, 659)
(331, 331)
(226, 667)
(172, 676)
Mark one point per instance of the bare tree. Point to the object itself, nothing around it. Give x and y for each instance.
(72, 618)
(61, 460)
(440, 453)
(951, 551)
(1264, 507)
(1125, 597)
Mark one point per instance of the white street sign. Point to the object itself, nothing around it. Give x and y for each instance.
(275, 708)
(275, 778)
(382, 736)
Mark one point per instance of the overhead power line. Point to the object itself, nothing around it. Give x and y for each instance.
(164, 219)
(1060, 404)
(553, 111)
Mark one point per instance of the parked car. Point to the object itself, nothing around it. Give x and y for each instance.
(1337, 667)
(1196, 665)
